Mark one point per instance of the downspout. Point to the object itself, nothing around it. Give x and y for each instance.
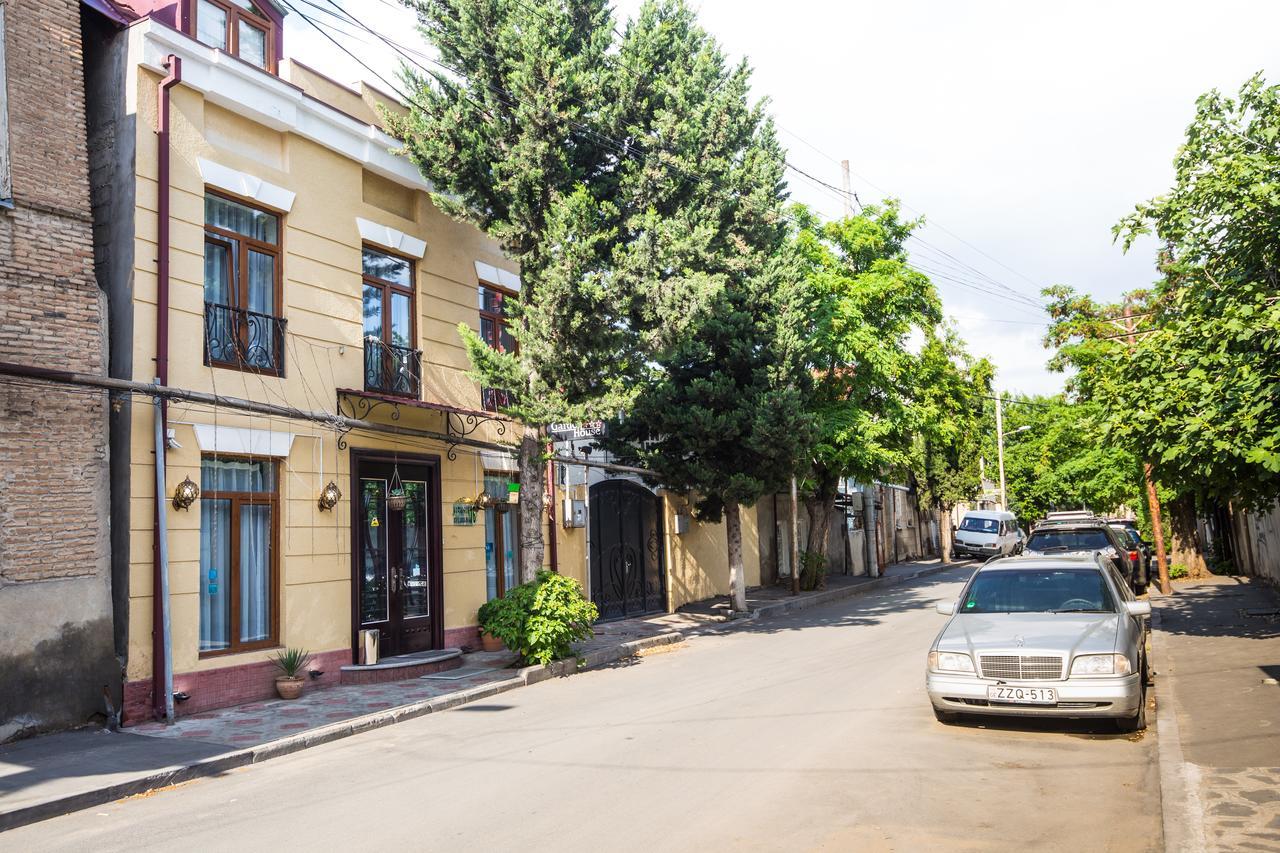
(161, 645)
(553, 553)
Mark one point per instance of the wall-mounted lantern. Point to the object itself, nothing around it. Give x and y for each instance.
(185, 494)
(329, 496)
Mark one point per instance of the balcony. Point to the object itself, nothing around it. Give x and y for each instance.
(243, 340)
(390, 369)
(495, 400)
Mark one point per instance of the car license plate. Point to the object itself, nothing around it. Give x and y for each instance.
(1023, 695)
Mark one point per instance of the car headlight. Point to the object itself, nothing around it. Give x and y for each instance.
(1101, 665)
(950, 662)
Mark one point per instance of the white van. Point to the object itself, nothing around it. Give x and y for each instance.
(987, 533)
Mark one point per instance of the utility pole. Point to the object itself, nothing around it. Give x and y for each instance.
(1000, 443)
(1153, 498)
(848, 191)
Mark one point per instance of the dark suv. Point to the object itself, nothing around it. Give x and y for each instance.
(1060, 538)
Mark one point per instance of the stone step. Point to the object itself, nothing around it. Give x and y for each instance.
(402, 667)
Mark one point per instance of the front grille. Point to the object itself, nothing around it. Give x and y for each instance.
(1022, 667)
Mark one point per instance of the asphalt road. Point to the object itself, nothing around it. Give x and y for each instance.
(810, 732)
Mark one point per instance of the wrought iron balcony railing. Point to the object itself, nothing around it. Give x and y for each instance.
(494, 399)
(390, 369)
(244, 340)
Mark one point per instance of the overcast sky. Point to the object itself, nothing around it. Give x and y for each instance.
(1021, 131)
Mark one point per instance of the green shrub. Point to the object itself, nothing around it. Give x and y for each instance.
(1177, 570)
(813, 570)
(540, 619)
(291, 662)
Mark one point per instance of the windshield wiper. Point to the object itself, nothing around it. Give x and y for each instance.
(1052, 548)
(1080, 610)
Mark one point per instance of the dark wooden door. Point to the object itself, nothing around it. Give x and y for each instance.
(627, 577)
(397, 573)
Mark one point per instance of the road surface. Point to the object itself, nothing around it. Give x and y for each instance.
(810, 732)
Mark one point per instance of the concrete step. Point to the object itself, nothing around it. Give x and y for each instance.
(402, 667)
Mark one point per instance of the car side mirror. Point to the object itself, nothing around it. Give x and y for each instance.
(1138, 608)
(948, 608)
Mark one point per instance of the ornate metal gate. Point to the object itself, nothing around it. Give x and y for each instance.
(626, 550)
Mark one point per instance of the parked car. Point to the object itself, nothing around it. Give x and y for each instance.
(1135, 540)
(1043, 636)
(986, 533)
(1065, 538)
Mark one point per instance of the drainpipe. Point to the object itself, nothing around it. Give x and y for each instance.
(552, 548)
(161, 591)
(161, 657)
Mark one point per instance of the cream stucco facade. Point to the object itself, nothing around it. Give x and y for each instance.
(309, 151)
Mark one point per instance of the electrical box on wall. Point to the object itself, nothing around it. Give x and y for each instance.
(575, 513)
(682, 523)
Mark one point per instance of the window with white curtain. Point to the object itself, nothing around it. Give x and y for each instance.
(238, 523)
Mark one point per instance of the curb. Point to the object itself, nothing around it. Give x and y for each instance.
(221, 764)
(1180, 804)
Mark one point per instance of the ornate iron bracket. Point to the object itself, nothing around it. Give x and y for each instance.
(363, 407)
(461, 425)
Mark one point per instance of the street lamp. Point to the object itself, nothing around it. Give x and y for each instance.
(1000, 445)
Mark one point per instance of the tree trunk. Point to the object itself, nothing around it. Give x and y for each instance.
(532, 490)
(737, 573)
(1184, 544)
(944, 532)
(819, 509)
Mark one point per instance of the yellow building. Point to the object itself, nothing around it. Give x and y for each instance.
(272, 247)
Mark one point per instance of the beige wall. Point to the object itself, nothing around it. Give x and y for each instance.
(322, 304)
(698, 560)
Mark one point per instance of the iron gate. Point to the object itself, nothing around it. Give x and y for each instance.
(626, 550)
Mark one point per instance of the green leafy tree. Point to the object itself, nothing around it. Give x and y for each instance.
(1197, 395)
(864, 300)
(949, 403)
(718, 324)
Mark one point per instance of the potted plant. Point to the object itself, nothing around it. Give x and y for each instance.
(493, 616)
(291, 663)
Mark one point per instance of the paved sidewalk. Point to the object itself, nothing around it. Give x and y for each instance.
(1216, 650)
(58, 773)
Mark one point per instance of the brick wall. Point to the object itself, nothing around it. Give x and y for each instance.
(52, 442)
(56, 649)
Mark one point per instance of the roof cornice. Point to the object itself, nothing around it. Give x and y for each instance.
(249, 91)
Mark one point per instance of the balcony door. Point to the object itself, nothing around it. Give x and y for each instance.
(391, 363)
(397, 552)
(242, 323)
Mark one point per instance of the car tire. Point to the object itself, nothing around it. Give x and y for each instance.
(945, 717)
(1138, 722)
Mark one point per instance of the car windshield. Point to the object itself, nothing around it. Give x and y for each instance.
(1038, 591)
(1068, 540)
(979, 525)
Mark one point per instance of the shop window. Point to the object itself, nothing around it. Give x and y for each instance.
(501, 538)
(239, 555)
(240, 27)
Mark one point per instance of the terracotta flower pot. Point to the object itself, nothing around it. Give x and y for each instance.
(289, 688)
(490, 643)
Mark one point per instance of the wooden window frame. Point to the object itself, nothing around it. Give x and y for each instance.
(238, 286)
(239, 499)
(489, 396)
(390, 287)
(500, 510)
(234, 14)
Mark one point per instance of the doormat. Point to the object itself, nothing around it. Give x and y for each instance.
(459, 673)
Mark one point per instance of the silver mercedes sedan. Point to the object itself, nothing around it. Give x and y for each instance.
(1043, 636)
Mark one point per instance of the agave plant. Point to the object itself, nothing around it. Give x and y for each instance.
(292, 662)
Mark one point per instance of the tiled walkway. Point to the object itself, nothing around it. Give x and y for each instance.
(260, 722)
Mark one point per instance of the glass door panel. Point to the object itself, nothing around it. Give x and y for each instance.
(415, 570)
(374, 602)
(255, 572)
(215, 570)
